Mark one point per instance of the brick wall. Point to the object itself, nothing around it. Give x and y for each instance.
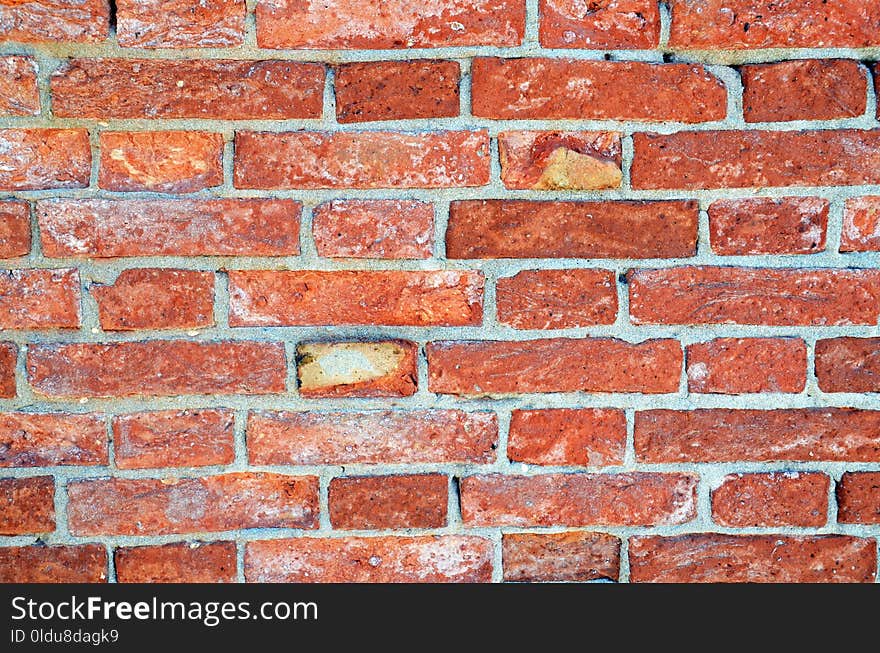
(448, 290)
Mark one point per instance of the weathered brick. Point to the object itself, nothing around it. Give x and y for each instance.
(15, 229)
(80, 21)
(742, 24)
(557, 299)
(50, 439)
(39, 299)
(745, 365)
(19, 95)
(339, 24)
(553, 160)
(593, 437)
(8, 361)
(728, 435)
(388, 297)
(149, 298)
(180, 23)
(861, 225)
(537, 88)
(198, 562)
(172, 438)
(770, 296)
(774, 499)
(375, 502)
(384, 229)
(86, 563)
(858, 498)
(553, 365)
(554, 557)
(788, 225)
(217, 227)
(529, 229)
(812, 89)
(165, 161)
(600, 24)
(426, 559)
(426, 436)
(396, 90)
(27, 505)
(38, 159)
(633, 499)
(848, 364)
(204, 88)
(740, 159)
(357, 369)
(156, 368)
(116, 506)
(716, 558)
(312, 160)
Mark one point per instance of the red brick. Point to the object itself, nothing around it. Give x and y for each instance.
(116, 506)
(39, 299)
(165, 162)
(745, 365)
(39, 159)
(387, 229)
(162, 88)
(426, 436)
(19, 95)
(27, 505)
(553, 160)
(727, 435)
(537, 88)
(396, 90)
(50, 439)
(344, 25)
(742, 24)
(85, 563)
(375, 502)
(775, 297)
(80, 21)
(199, 562)
(848, 364)
(426, 559)
(593, 437)
(553, 365)
(557, 299)
(312, 160)
(633, 499)
(600, 24)
(147, 298)
(218, 227)
(529, 229)
(555, 557)
(174, 438)
(8, 361)
(740, 159)
(812, 89)
(788, 225)
(858, 498)
(357, 369)
(716, 558)
(775, 499)
(180, 23)
(861, 225)
(156, 368)
(387, 297)
(15, 229)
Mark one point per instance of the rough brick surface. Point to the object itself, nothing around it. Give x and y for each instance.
(27, 505)
(858, 498)
(77, 21)
(848, 364)
(600, 25)
(861, 225)
(180, 505)
(711, 558)
(198, 562)
(745, 365)
(38, 159)
(427, 559)
(775, 499)
(357, 369)
(8, 362)
(557, 557)
(19, 95)
(567, 436)
(180, 23)
(39, 299)
(790, 225)
(378, 502)
(51, 439)
(15, 229)
(85, 563)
